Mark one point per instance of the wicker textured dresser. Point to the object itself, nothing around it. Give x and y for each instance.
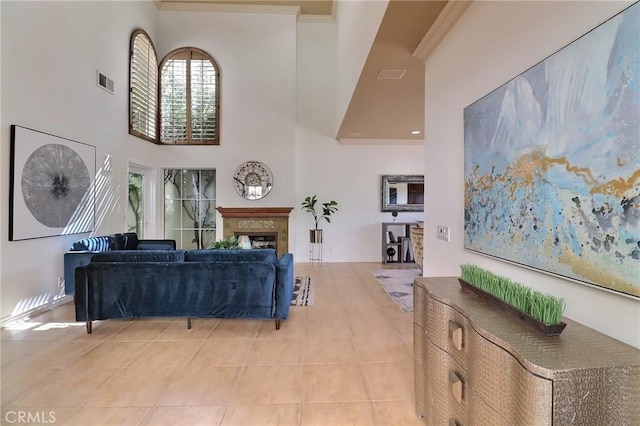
(477, 365)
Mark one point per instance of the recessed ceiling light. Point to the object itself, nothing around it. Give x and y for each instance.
(415, 132)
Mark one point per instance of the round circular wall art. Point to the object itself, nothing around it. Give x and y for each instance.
(253, 180)
(54, 182)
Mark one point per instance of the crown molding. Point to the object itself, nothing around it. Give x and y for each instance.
(181, 6)
(451, 13)
(317, 19)
(227, 212)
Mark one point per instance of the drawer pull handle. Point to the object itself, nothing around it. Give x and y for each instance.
(456, 335)
(455, 383)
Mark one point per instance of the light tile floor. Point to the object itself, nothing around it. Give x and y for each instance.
(346, 360)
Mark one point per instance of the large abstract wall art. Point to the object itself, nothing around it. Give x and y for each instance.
(51, 185)
(552, 162)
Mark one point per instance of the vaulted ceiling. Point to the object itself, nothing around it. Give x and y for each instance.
(387, 105)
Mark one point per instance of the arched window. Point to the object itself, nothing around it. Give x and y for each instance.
(189, 98)
(143, 87)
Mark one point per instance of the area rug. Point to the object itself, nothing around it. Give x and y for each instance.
(302, 292)
(398, 283)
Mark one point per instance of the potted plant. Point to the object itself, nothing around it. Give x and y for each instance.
(540, 310)
(309, 205)
(394, 213)
(226, 244)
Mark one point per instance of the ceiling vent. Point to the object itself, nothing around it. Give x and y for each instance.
(391, 74)
(105, 82)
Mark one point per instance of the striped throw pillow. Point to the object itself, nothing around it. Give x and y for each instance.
(93, 244)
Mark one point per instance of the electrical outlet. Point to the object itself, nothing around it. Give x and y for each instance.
(443, 233)
(60, 282)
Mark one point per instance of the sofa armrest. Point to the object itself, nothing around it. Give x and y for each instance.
(81, 296)
(284, 286)
(73, 259)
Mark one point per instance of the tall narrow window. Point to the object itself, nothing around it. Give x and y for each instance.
(135, 212)
(189, 98)
(143, 87)
(190, 207)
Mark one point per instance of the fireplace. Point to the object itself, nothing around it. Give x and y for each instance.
(260, 239)
(267, 227)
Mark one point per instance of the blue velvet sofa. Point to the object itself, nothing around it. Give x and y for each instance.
(250, 283)
(83, 250)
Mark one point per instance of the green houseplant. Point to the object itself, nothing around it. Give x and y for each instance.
(327, 209)
(227, 243)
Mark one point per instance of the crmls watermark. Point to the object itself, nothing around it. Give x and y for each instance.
(31, 417)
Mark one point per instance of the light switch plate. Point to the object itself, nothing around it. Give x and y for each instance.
(443, 233)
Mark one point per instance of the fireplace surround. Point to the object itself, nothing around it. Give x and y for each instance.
(262, 224)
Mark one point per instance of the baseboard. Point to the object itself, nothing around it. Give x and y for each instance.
(38, 310)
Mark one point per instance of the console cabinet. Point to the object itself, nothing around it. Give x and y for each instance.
(478, 365)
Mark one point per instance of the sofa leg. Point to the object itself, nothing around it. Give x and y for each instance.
(189, 323)
(277, 324)
(89, 330)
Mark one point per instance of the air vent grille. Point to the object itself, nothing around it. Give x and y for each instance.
(105, 82)
(391, 74)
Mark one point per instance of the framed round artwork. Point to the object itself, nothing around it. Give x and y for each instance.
(253, 180)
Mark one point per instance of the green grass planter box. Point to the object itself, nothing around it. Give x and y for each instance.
(539, 310)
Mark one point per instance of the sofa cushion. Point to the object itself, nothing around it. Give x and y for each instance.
(93, 244)
(139, 256)
(156, 245)
(225, 256)
(125, 241)
(117, 242)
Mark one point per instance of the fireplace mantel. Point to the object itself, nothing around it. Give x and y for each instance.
(254, 211)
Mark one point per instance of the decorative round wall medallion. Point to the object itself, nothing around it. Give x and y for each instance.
(253, 180)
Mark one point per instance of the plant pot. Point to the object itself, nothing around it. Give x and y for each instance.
(548, 329)
(315, 236)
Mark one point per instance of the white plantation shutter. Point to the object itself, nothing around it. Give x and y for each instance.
(189, 98)
(143, 87)
(203, 99)
(173, 111)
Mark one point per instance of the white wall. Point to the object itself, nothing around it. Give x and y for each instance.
(257, 57)
(278, 99)
(492, 43)
(50, 54)
(349, 174)
(278, 96)
(3, 212)
(357, 23)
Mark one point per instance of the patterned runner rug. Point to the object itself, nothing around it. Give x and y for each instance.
(302, 292)
(398, 283)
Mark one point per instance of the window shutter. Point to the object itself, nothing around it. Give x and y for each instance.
(189, 98)
(203, 100)
(173, 111)
(143, 91)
